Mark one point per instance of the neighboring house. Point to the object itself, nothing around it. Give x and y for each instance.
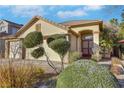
(82, 34)
(7, 28)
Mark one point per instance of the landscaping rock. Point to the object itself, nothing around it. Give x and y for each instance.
(121, 82)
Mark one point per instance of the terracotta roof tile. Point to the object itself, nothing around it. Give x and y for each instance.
(78, 22)
(3, 34)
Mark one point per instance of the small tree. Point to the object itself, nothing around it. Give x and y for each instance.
(105, 40)
(15, 49)
(114, 22)
(35, 39)
(60, 45)
(110, 36)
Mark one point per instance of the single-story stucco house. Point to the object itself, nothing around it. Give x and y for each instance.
(82, 34)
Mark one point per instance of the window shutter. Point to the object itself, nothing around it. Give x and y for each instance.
(38, 27)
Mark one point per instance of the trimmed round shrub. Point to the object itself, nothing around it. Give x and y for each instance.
(56, 36)
(38, 52)
(33, 39)
(86, 74)
(50, 39)
(60, 46)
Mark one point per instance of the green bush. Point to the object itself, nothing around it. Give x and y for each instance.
(60, 46)
(96, 58)
(38, 52)
(74, 56)
(86, 74)
(33, 39)
(56, 36)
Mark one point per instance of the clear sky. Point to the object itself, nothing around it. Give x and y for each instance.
(22, 14)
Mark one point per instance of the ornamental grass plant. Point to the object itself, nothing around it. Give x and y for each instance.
(19, 75)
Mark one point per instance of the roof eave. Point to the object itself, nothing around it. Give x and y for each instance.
(86, 24)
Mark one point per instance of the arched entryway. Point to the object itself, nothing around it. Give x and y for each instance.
(86, 43)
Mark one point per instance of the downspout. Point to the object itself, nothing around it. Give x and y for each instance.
(76, 43)
(69, 38)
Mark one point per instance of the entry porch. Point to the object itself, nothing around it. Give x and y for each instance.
(86, 42)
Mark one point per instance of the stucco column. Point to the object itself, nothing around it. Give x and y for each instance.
(6, 49)
(79, 44)
(67, 37)
(96, 38)
(96, 48)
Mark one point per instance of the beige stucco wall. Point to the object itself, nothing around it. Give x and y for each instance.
(79, 44)
(46, 29)
(2, 48)
(73, 42)
(50, 53)
(96, 38)
(6, 55)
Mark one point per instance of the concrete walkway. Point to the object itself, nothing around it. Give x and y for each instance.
(106, 62)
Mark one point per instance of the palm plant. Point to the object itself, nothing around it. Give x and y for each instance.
(105, 40)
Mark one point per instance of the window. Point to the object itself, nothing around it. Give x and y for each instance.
(38, 27)
(14, 30)
(87, 37)
(2, 29)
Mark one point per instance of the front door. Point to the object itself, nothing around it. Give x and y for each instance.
(87, 44)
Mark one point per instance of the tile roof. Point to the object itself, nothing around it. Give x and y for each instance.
(52, 22)
(3, 34)
(7, 37)
(12, 22)
(78, 22)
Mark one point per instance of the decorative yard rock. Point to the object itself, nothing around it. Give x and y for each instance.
(117, 69)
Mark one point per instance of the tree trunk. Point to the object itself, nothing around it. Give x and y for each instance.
(50, 63)
(104, 52)
(62, 63)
